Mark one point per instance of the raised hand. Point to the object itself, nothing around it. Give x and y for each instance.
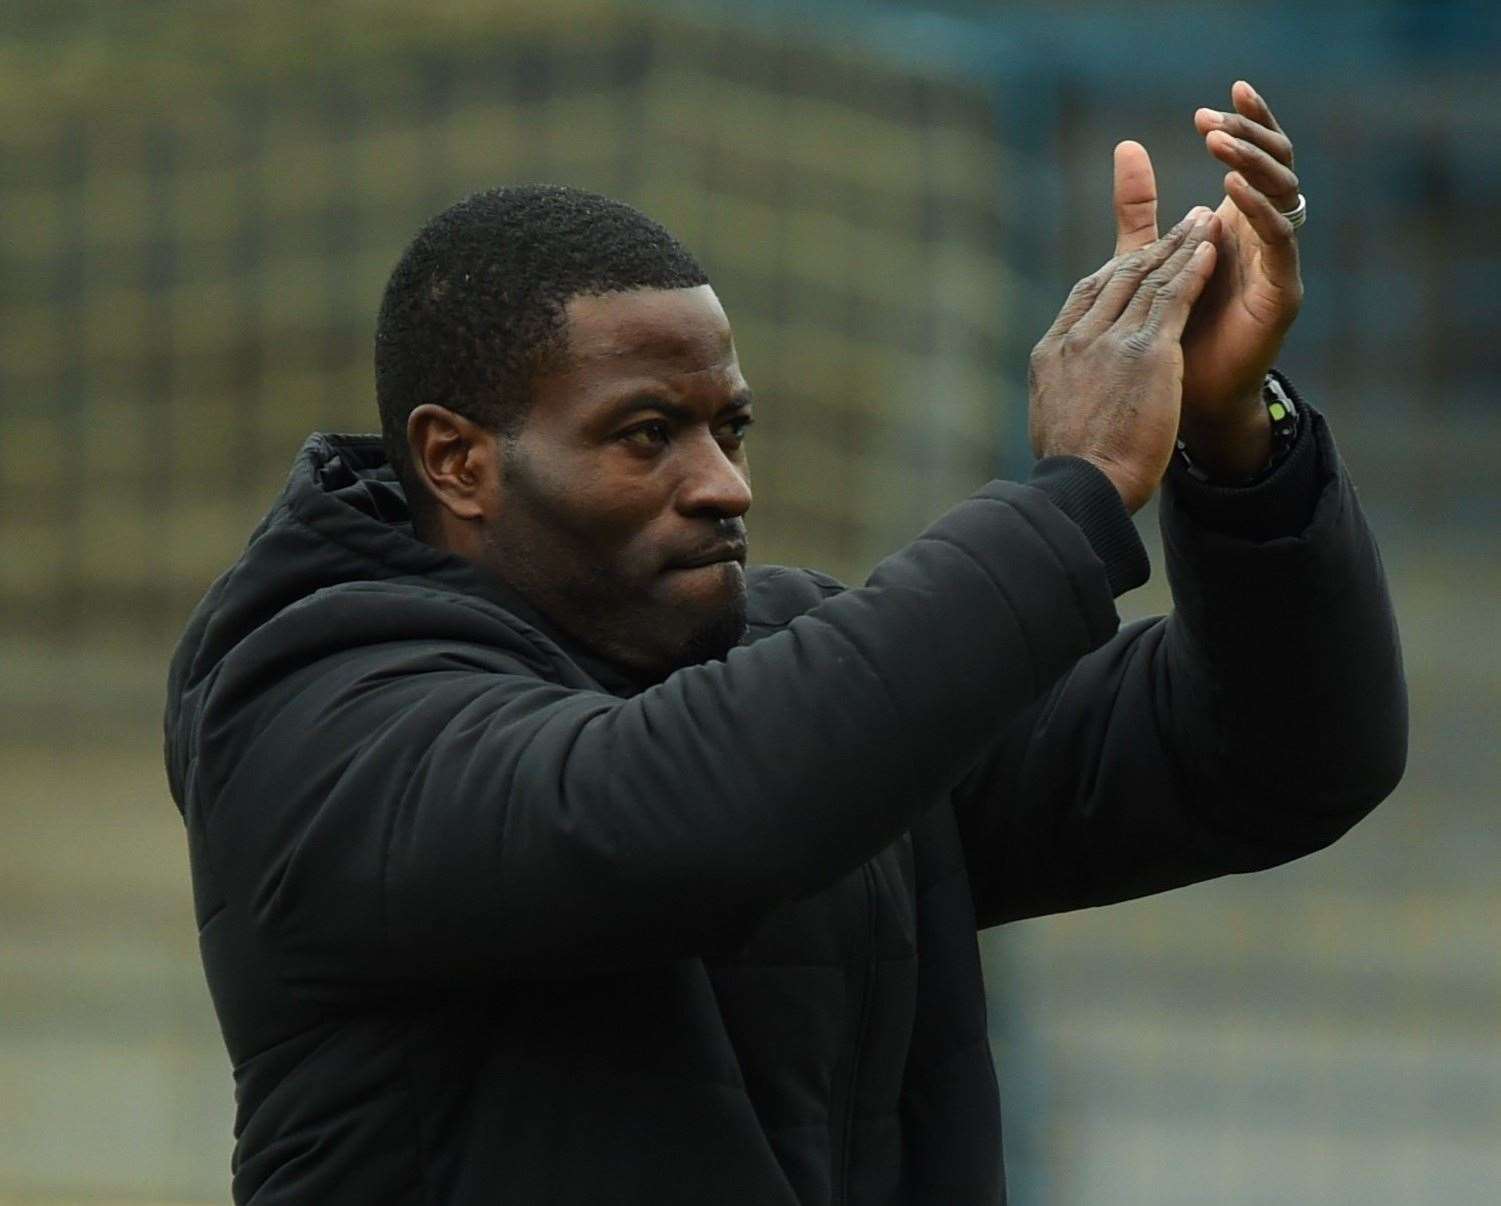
(1107, 378)
(1240, 322)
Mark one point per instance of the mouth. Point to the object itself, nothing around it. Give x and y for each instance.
(719, 554)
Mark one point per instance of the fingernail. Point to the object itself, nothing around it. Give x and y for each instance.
(1210, 114)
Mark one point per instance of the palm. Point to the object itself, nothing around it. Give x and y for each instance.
(1237, 326)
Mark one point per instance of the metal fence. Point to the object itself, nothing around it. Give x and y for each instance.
(189, 280)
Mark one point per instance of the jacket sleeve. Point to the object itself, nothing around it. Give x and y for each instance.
(1256, 723)
(401, 809)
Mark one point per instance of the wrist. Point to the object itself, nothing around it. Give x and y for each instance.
(1231, 446)
(1134, 489)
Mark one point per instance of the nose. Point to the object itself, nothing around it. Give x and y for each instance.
(714, 483)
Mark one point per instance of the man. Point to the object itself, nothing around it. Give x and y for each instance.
(543, 852)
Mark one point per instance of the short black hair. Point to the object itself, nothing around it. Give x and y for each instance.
(474, 308)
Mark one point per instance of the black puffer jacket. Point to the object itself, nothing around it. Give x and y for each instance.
(484, 922)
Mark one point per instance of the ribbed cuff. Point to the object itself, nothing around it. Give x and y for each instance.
(1279, 504)
(1083, 493)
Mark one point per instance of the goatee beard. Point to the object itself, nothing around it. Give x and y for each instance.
(715, 639)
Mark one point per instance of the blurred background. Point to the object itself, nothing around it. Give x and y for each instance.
(199, 203)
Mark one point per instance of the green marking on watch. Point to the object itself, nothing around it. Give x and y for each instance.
(1278, 412)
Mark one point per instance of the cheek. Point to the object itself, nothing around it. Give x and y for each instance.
(598, 510)
(613, 524)
(574, 493)
(611, 513)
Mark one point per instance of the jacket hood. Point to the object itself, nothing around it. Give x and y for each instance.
(342, 518)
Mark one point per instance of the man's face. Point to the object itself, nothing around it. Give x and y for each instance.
(620, 501)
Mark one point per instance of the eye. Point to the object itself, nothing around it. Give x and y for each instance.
(649, 435)
(735, 430)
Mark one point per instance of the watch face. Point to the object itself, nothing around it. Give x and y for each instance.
(1277, 398)
(1284, 416)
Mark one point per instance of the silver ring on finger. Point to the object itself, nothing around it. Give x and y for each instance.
(1298, 214)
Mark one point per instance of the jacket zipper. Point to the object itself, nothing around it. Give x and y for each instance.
(843, 1187)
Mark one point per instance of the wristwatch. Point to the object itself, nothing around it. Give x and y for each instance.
(1284, 416)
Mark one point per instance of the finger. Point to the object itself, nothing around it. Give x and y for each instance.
(1129, 270)
(1251, 103)
(1279, 242)
(1135, 198)
(1086, 292)
(1175, 300)
(1276, 180)
(1142, 304)
(1080, 298)
(1237, 125)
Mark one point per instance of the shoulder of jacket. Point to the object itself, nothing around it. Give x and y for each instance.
(411, 604)
(338, 635)
(382, 617)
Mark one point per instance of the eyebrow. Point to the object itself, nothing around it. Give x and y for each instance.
(740, 400)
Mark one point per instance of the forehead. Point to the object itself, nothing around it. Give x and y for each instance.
(672, 330)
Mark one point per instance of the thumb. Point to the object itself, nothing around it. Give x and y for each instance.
(1135, 196)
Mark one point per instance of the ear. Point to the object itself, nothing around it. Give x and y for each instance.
(455, 458)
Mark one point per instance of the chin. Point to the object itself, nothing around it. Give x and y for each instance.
(713, 641)
(670, 630)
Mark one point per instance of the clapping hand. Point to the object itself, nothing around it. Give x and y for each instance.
(1237, 326)
(1106, 380)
